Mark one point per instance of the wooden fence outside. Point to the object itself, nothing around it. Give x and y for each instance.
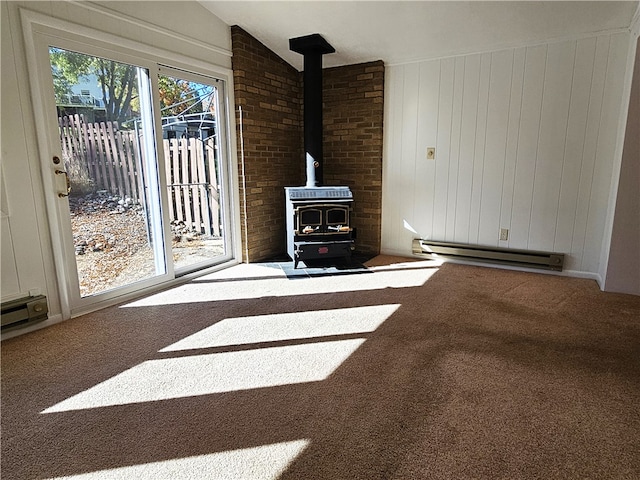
(192, 182)
(110, 159)
(100, 151)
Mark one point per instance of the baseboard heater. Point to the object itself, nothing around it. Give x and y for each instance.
(507, 256)
(24, 311)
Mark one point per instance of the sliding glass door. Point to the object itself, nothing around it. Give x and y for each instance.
(110, 194)
(192, 155)
(138, 173)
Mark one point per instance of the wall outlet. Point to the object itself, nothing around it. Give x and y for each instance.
(431, 153)
(504, 234)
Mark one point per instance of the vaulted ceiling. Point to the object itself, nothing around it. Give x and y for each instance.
(405, 31)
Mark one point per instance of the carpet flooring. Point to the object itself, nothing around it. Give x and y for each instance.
(403, 370)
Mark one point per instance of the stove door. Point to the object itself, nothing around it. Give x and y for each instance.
(321, 219)
(309, 220)
(337, 219)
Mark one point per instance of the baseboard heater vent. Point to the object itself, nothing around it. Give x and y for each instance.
(508, 256)
(24, 311)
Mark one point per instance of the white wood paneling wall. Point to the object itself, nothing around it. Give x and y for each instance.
(525, 140)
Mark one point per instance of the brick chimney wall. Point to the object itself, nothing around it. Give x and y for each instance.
(269, 91)
(352, 116)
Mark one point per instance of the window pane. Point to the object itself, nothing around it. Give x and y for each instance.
(106, 136)
(191, 141)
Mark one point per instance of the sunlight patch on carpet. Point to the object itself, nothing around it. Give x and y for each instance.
(287, 326)
(195, 375)
(396, 263)
(202, 291)
(264, 462)
(245, 271)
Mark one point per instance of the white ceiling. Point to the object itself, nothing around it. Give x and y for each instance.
(405, 31)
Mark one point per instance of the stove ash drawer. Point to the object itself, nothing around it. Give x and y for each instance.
(313, 250)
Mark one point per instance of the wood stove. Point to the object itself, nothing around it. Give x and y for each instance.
(318, 217)
(318, 223)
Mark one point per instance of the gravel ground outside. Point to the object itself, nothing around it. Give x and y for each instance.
(112, 247)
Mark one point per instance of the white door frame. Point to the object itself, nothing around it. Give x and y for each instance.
(39, 32)
(223, 132)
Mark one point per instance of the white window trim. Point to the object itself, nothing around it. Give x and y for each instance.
(101, 10)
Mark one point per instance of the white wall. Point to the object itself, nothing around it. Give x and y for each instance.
(623, 272)
(182, 27)
(26, 263)
(525, 140)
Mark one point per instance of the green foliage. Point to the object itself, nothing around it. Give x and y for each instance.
(119, 85)
(118, 81)
(67, 68)
(176, 96)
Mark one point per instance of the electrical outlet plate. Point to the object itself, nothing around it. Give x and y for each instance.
(504, 234)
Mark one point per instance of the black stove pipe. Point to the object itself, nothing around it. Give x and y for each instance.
(312, 47)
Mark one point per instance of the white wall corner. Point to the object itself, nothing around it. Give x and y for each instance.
(634, 28)
(617, 159)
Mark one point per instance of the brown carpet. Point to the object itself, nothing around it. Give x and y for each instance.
(405, 372)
